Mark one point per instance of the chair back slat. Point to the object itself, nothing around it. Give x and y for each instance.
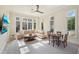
(66, 37)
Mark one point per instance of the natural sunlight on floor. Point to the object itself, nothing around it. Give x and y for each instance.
(37, 45)
(21, 43)
(24, 50)
(45, 42)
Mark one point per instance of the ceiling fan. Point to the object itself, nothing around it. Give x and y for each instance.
(37, 9)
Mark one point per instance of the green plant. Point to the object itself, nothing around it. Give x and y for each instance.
(71, 23)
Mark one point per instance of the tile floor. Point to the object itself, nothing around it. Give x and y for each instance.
(38, 46)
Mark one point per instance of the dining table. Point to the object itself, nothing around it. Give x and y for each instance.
(57, 38)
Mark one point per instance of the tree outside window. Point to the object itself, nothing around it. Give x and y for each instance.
(71, 21)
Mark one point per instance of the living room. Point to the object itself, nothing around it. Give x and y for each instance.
(30, 24)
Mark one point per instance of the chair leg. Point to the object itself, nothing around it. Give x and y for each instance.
(63, 44)
(66, 43)
(53, 43)
(58, 43)
(49, 41)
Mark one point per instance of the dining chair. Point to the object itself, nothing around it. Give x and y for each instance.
(59, 33)
(49, 36)
(54, 39)
(64, 41)
(59, 36)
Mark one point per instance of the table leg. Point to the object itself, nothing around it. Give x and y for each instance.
(58, 42)
(49, 39)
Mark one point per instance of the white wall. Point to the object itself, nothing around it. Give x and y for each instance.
(21, 16)
(3, 41)
(60, 21)
(77, 22)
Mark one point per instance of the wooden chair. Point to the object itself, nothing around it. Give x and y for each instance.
(59, 33)
(65, 40)
(48, 34)
(54, 39)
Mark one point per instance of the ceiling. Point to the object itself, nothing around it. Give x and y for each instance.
(29, 9)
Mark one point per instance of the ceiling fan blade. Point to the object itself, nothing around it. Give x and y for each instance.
(37, 9)
(40, 12)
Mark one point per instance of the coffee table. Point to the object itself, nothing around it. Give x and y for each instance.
(29, 38)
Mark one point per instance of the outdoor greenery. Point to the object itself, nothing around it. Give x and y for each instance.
(71, 23)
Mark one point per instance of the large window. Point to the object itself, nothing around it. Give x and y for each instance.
(17, 24)
(24, 24)
(52, 24)
(29, 23)
(34, 24)
(42, 27)
(17, 19)
(71, 21)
